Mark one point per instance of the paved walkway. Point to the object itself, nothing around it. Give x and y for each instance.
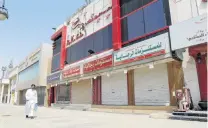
(13, 117)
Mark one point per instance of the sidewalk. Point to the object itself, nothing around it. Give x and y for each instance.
(13, 117)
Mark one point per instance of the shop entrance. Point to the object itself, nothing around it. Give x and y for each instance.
(82, 92)
(151, 86)
(63, 93)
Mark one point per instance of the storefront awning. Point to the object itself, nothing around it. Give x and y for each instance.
(122, 68)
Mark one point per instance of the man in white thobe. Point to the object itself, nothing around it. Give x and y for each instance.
(31, 101)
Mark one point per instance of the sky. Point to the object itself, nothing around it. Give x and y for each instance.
(30, 23)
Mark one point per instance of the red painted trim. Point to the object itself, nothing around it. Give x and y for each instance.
(202, 78)
(194, 50)
(63, 47)
(90, 56)
(93, 92)
(139, 9)
(55, 94)
(148, 34)
(56, 34)
(116, 25)
(201, 68)
(88, 35)
(96, 92)
(99, 90)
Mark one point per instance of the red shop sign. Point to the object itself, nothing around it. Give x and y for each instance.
(98, 64)
(71, 72)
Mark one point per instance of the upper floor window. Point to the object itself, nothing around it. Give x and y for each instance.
(56, 62)
(57, 45)
(127, 6)
(29, 73)
(98, 42)
(144, 21)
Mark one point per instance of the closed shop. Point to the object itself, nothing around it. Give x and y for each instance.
(81, 92)
(151, 86)
(114, 89)
(62, 93)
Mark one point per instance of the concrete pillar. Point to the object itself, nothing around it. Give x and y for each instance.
(175, 79)
(2, 93)
(130, 87)
(9, 94)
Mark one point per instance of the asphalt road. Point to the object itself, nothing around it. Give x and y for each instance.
(13, 117)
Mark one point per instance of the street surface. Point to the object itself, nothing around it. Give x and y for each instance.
(13, 117)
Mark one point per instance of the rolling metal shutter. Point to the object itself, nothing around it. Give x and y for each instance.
(81, 92)
(114, 89)
(151, 86)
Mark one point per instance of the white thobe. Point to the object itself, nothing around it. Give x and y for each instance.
(31, 100)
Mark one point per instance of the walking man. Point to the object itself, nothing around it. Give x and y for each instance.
(31, 102)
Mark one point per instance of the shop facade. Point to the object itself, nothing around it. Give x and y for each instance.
(147, 65)
(33, 70)
(57, 91)
(5, 91)
(85, 78)
(194, 43)
(112, 53)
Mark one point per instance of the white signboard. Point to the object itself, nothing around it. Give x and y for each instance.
(88, 20)
(189, 33)
(30, 60)
(143, 50)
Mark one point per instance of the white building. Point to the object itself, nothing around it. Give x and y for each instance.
(34, 70)
(4, 90)
(13, 77)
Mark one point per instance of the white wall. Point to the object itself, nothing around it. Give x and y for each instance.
(46, 55)
(185, 9)
(13, 72)
(98, 10)
(191, 80)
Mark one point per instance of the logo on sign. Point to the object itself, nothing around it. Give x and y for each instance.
(72, 72)
(149, 48)
(78, 27)
(98, 64)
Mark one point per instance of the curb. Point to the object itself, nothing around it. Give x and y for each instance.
(160, 115)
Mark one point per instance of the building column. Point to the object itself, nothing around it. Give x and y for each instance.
(96, 94)
(55, 95)
(116, 24)
(130, 87)
(175, 79)
(2, 93)
(202, 77)
(9, 94)
(63, 47)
